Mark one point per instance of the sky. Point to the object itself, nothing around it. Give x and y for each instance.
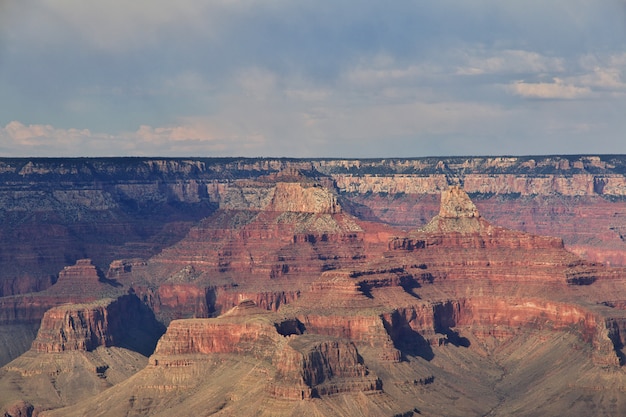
(312, 78)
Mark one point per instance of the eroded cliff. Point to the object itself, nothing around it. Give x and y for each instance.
(55, 211)
(345, 316)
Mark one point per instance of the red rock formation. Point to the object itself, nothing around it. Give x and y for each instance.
(309, 367)
(226, 298)
(83, 275)
(510, 280)
(306, 366)
(233, 332)
(450, 243)
(55, 209)
(106, 322)
(191, 336)
(170, 301)
(74, 327)
(458, 288)
(470, 275)
(80, 283)
(270, 253)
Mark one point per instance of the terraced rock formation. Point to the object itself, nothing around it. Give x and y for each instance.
(80, 350)
(290, 230)
(56, 211)
(294, 304)
(457, 318)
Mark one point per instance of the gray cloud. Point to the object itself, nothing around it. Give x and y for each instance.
(310, 78)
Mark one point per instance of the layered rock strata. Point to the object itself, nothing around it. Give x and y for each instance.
(507, 280)
(306, 366)
(455, 310)
(310, 367)
(79, 283)
(289, 233)
(124, 321)
(52, 209)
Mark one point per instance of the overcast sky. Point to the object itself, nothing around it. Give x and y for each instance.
(311, 78)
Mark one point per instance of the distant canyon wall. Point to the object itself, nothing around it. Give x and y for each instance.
(54, 211)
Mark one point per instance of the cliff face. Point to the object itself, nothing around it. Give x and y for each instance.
(82, 282)
(580, 199)
(477, 263)
(56, 211)
(124, 321)
(458, 308)
(310, 367)
(268, 252)
(306, 366)
(80, 350)
(81, 327)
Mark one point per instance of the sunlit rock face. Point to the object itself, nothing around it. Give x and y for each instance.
(56, 211)
(456, 204)
(284, 302)
(124, 321)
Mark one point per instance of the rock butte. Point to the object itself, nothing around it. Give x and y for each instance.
(296, 307)
(56, 211)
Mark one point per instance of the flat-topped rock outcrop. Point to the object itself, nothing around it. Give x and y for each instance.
(124, 321)
(306, 365)
(80, 350)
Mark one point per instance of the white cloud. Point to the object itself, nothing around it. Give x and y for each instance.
(602, 78)
(200, 137)
(35, 134)
(509, 61)
(18, 139)
(272, 77)
(595, 81)
(554, 90)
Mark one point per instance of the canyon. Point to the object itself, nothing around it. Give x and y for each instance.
(432, 286)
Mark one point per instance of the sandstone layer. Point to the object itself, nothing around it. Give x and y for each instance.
(124, 322)
(451, 318)
(268, 252)
(337, 315)
(56, 211)
(80, 350)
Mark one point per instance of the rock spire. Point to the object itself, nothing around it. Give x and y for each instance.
(456, 204)
(457, 213)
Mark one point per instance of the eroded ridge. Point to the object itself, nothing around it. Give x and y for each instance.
(451, 318)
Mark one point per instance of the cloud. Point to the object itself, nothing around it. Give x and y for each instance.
(591, 79)
(34, 134)
(554, 90)
(18, 139)
(192, 137)
(305, 78)
(609, 79)
(509, 61)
